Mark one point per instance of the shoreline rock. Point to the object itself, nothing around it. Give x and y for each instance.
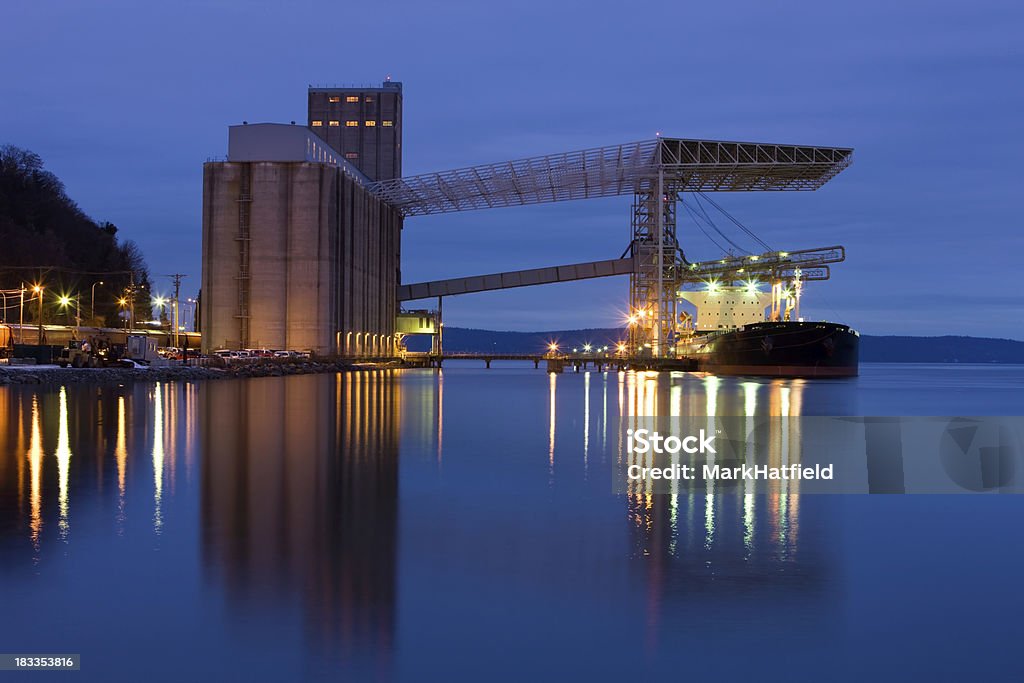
(49, 375)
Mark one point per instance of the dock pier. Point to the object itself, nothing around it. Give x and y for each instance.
(560, 362)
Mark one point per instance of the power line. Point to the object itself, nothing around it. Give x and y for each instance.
(736, 222)
(703, 215)
(701, 228)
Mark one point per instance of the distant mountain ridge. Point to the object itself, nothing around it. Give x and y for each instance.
(873, 349)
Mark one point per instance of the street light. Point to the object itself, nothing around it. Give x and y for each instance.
(65, 301)
(92, 301)
(161, 303)
(123, 303)
(21, 315)
(38, 290)
(130, 298)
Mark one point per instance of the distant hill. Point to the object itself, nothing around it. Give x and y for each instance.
(873, 349)
(940, 350)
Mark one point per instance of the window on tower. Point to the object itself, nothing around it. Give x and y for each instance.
(371, 123)
(334, 98)
(335, 124)
(317, 124)
(387, 124)
(352, 98)
(351, 124)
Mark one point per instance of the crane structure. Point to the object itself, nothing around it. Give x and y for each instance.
(784, 272)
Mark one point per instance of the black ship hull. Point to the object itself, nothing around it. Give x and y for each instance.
(782, 349)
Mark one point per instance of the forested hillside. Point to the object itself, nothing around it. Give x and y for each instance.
(46, 238)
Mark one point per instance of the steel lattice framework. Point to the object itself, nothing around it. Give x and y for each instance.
(655, 172)
(684, 165)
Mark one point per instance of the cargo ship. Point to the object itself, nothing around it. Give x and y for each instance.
(731, 336)
(780, 349)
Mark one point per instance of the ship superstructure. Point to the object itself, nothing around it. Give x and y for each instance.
(748, 318)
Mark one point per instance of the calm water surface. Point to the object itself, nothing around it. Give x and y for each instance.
(416, 527)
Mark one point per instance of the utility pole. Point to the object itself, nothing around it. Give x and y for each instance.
(440, 329)
(177, 291)
(131, 304)
(39, 290)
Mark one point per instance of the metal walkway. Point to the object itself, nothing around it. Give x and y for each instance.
(515, 278)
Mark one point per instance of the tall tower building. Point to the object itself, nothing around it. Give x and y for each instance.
(363, 124)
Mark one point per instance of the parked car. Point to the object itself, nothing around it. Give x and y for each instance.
(168, 352)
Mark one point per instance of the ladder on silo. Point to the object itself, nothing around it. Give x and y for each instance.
(244, 204)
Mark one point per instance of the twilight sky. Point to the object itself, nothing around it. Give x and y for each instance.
(124, 100)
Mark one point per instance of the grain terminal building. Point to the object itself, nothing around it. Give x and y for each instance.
(297, 253)
(302, 226)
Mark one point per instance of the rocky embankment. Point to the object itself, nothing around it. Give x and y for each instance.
(55, 375)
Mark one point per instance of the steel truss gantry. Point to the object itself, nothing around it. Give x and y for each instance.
(682, 165)
(655, 172)
(656, 259)
(660, 274)
(767, 267)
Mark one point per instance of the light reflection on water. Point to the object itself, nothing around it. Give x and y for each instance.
(699, 396)
(379, 523)
(158, 456)
(35, 463)
(300, 499)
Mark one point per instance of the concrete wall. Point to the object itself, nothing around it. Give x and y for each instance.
(219, 291)
(322, 258)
